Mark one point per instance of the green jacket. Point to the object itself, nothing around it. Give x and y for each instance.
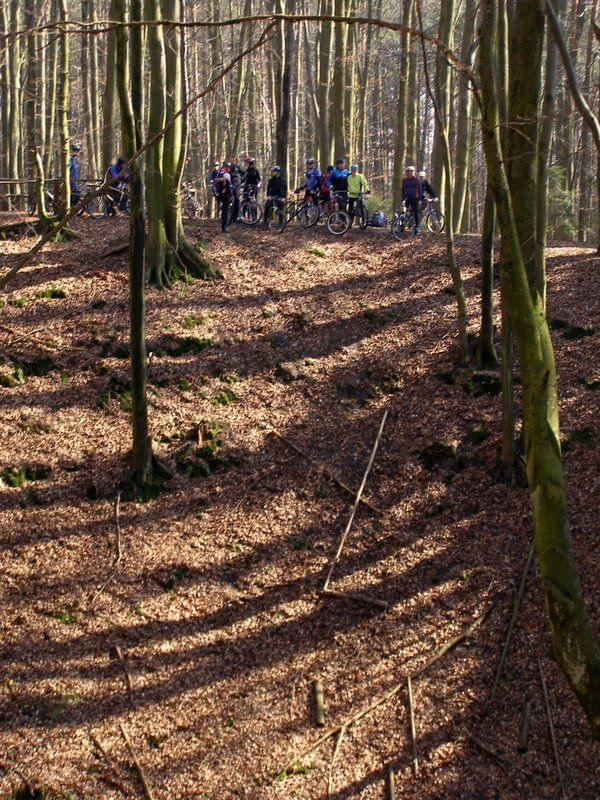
(357, 183)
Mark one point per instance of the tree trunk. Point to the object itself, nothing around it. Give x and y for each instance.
(401, 115)
(442, 85)
(108, 97)
(486, 351)
(574, 646)
(63, 110)
(337, 127)
(324, 54)
(463, 115)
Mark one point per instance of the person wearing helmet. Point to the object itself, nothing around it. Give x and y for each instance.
(426, 187)
(212, 177)
(276, 192)
(236, 183)
(339, 181)
(412, 194)
(117, 193)
(357, 185)
(325, 190)
(251, 179)
(74, 173)
(312, 180)
(224, 194)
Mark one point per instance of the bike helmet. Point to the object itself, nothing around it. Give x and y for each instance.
(354, 167)
(226, 164)
(410, 169)
(340, 161)
(216, 164)
(329, 167)
(121, 161)
(76, 148)
(311, 161)
(249, 160)
(276, 169)
(422, 173)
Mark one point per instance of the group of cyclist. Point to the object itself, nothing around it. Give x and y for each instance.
(232, 185)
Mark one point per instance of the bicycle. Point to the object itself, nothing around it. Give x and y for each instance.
(276, 216)
(189, 204)
(435, 221)
(306, 210)
(251, 212)
(102, 206)
(403, 224)
(338, 220)
(360, 211)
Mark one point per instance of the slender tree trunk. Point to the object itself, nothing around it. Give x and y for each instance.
(63, 109)
(5, 82)
(109, 97)
(486, 351)
(52, 82)
(574, 645)
(442, 84)
(14, 142)
(401, 116)
(325, 42)
(337, 126)
(463, 115)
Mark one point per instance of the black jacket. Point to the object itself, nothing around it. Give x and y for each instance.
(277, 187)
(251, 177)
(236, 175)
(426, 188)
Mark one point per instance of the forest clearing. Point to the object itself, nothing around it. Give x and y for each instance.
(299, 379)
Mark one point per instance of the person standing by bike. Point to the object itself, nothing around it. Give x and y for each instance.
(74, 173)
(339, 181)
(426, 187)
(251, 179)
(412, 194)
(116, 196)
(212, 177)
(313, 178)
(357, 185)
(224, 194)
(276, 192)
(236, 183)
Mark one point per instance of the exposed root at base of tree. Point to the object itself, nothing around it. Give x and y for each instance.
(183, 263)
(38, 227)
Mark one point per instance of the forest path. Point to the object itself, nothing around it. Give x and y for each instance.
(217, 605)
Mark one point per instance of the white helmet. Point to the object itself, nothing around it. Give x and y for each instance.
(422, 173)
(411, 169)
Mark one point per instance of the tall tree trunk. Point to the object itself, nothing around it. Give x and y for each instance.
(442, 85)
(5, 82)
(14, 142)
(337, 126)
(108, 142)
(323, 91)
(574, 645)
(401, 115)
(465, 103)
(486, 352)
(62, 102)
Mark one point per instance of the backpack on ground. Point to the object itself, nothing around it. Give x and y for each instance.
(378, 220)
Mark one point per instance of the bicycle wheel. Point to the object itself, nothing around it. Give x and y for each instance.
(309, 215)
(338, 223)
(97, 207)
(403, 228)
(277, 219)
(250, 212)
(435, 221)
(190, 208)
(363, 219)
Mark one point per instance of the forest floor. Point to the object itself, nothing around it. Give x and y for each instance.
(216, 606)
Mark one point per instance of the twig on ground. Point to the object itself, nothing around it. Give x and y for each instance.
(361, 489)
(390, 782)
(119, 553)
(319, 707)
(16, 335)
(336, 750)
(413, 727)
(513, 619)
(360, 597)
(324, 470)
(115, 251)
(394, 690)
(107, 760)
(138, 766)
(559, 771)
(485, 749)
(123, 663)
(523, 745)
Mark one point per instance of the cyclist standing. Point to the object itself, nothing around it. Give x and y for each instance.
(426, 187)
(339, 181)
(236, 182)
(224, 193)
(251, 179)
(313, 179)
(115, 196)
(412, 194)
(357, 185)
(212, 177)
(276, 192)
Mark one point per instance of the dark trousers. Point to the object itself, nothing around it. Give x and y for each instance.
(276, 201)
(224, 203)
(352, 204)
(414, 204)
(235, 203)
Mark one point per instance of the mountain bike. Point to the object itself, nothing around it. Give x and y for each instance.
(403, 224)
(306, 210)
(359, 212)
(434, 219)
(251, 212)
(103, 206)
(276, 216)
(338, 220)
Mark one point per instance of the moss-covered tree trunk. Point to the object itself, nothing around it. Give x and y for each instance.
(62, 105)
(486, 351)
(574, 646)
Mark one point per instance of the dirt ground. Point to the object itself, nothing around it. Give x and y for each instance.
(216, 606)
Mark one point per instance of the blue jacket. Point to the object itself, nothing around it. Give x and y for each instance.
(313, 180)
(74, 169)
(339, 180)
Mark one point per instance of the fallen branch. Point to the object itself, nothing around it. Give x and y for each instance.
(119, 553)
(138, 766)
(390, 783)
(336, 750)
(394, 690)
(359, 597)
(114, 780)
(413, 727)
(29, 336)
(324, 470)
(561, 778)
(123, 663)
(115, 251)
(513, 619)
(359, 494)
(524, 727)
(319, 707)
